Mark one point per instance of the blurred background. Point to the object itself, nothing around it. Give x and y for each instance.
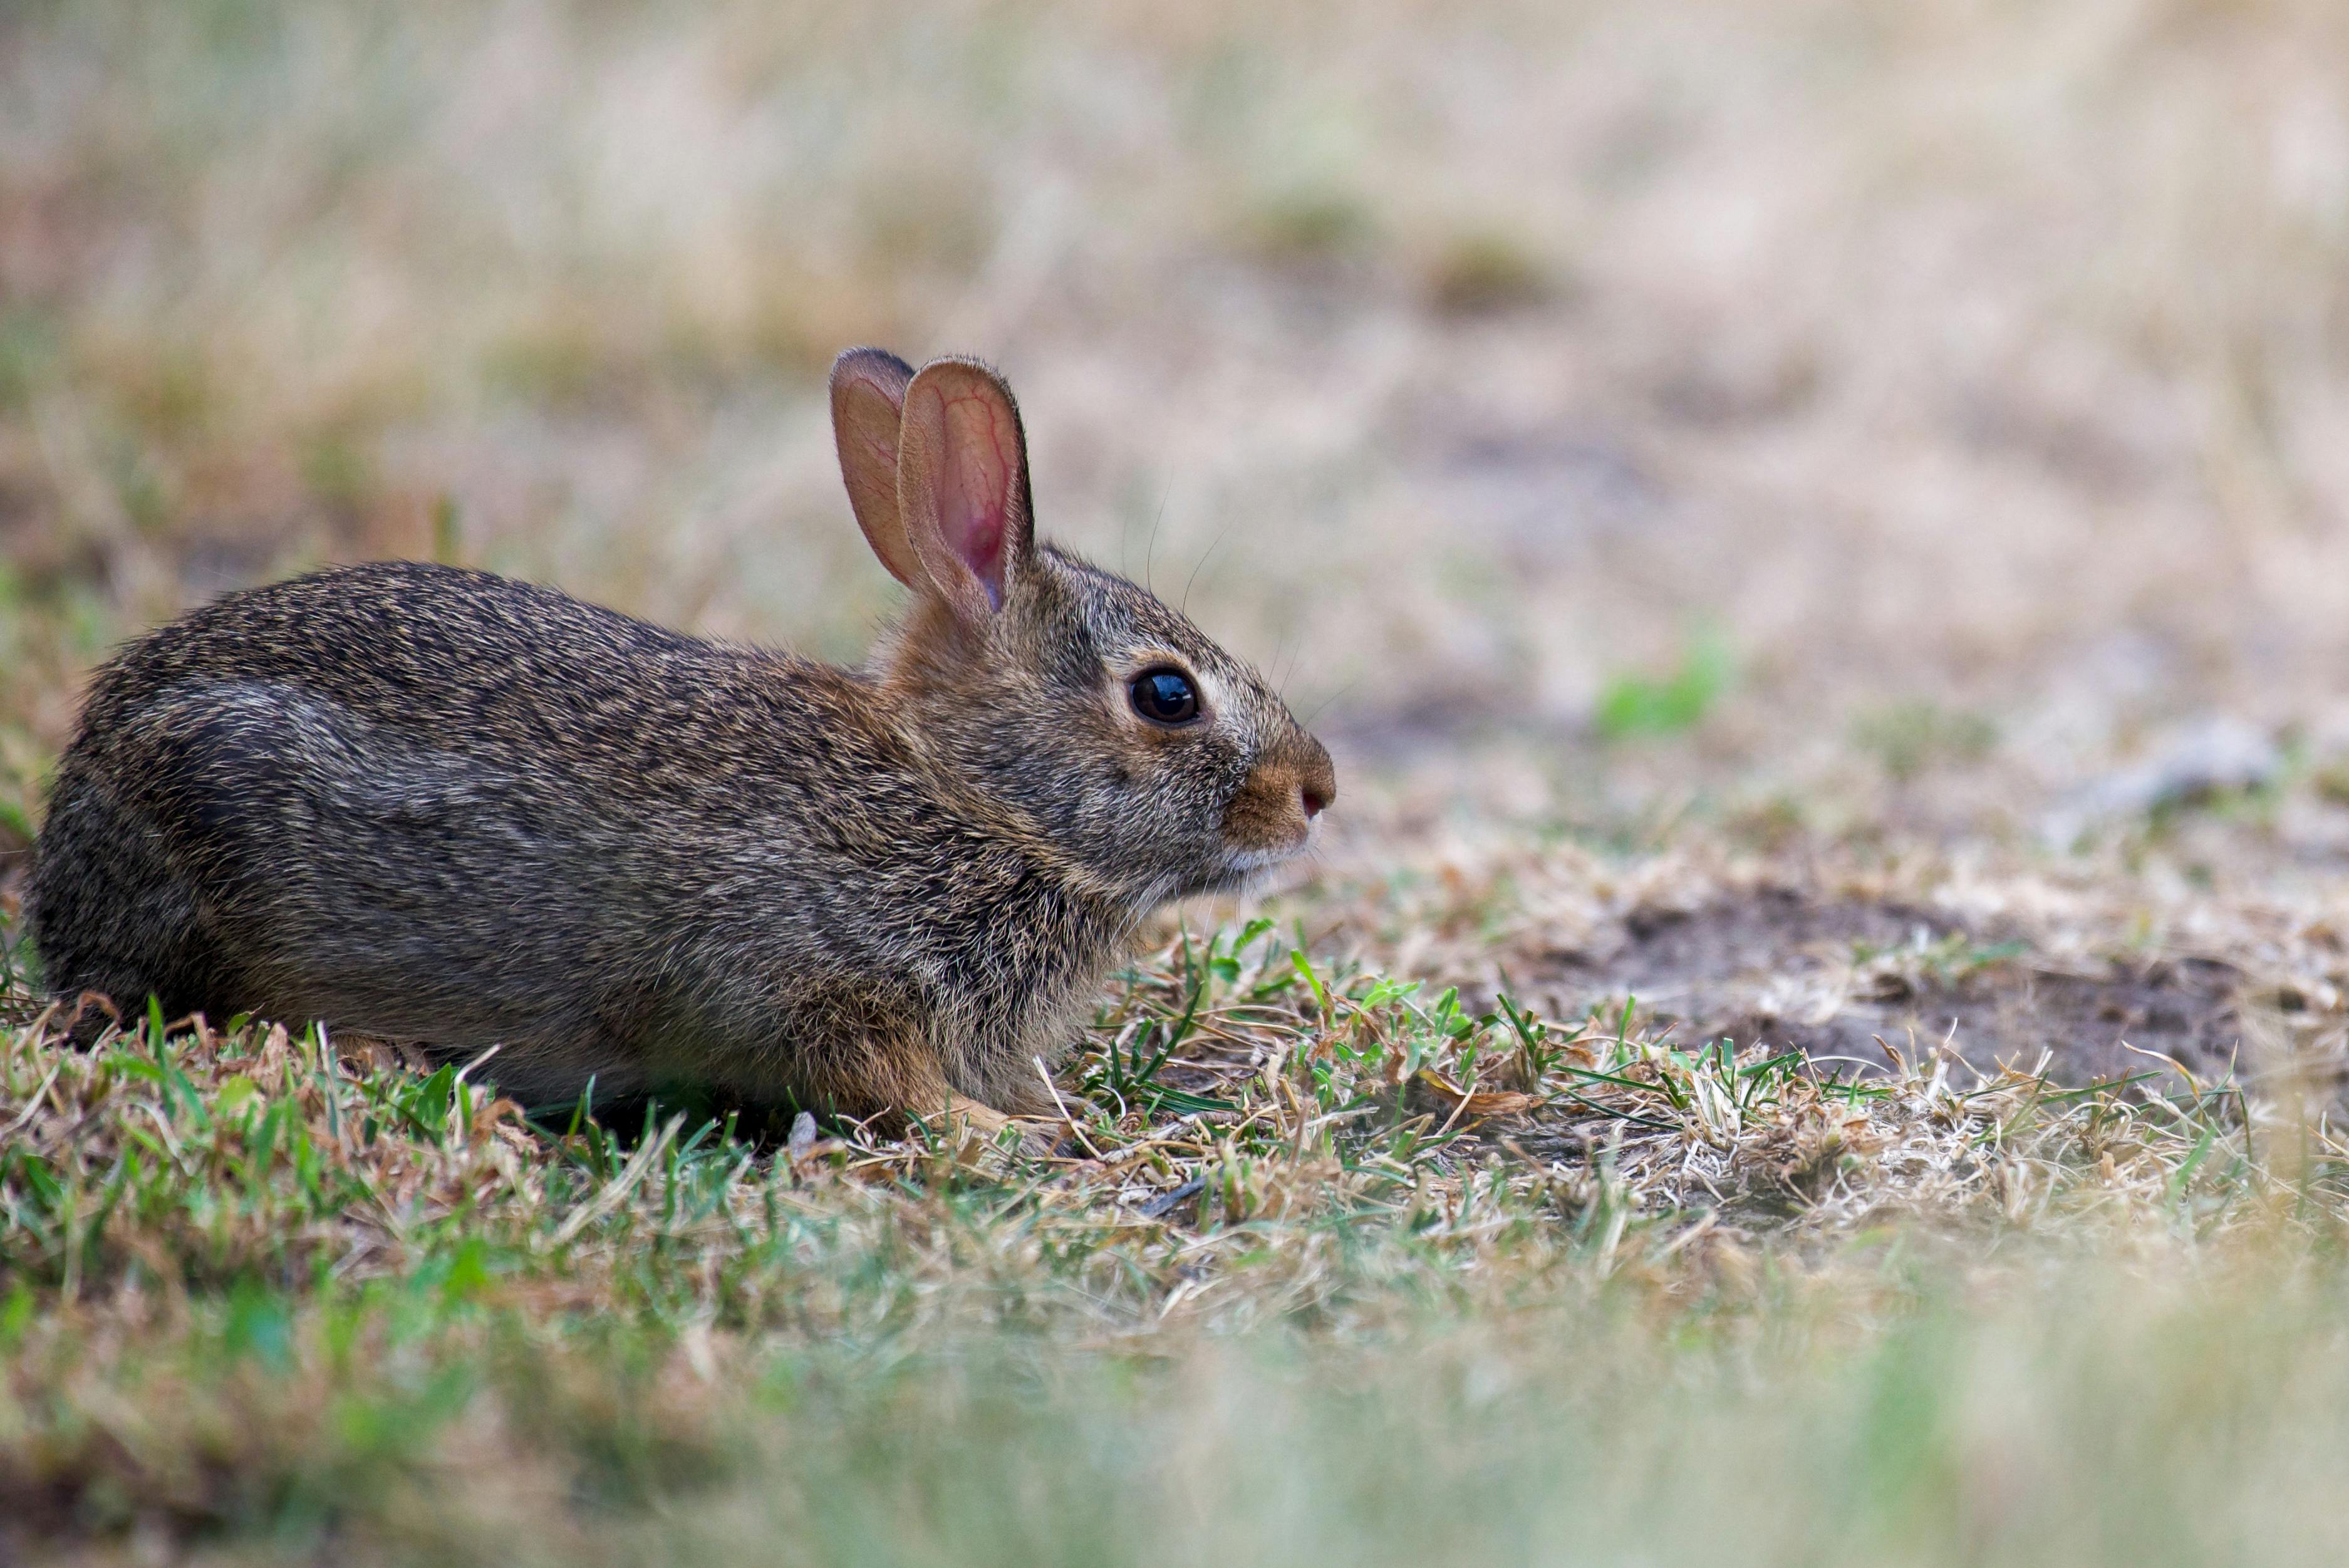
(1826, 415)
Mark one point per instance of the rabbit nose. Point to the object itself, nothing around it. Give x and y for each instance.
(1317, 785)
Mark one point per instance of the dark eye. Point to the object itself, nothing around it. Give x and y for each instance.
(1165, 696)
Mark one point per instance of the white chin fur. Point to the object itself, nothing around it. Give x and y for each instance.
(1255, 862)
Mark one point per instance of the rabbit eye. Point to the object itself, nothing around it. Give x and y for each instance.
(1165, 696)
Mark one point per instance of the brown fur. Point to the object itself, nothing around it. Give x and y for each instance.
(440, 806)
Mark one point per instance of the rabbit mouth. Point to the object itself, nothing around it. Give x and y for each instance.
(1245, 864)
(1235, 871)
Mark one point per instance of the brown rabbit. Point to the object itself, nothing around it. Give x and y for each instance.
(443, 807)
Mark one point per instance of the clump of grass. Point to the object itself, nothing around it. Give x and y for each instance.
(1633, 706)
(1487, 270)
(1310, 223)
(1908, 738)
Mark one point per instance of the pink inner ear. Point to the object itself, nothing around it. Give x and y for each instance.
(982, 454)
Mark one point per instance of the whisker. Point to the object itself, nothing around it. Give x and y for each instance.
(1186, 606)
(1333, 696)
(1296, 662)
(1150, 557)
(1278, 683)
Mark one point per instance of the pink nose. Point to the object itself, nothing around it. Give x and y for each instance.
(1317, 782)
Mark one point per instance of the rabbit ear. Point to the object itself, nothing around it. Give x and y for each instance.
(962, 484)
(868, 399)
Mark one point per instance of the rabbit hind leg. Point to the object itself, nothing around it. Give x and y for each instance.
(111, 915)
(892, 1079)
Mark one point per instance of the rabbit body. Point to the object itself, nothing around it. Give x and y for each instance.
(400, 795)
(444, 807)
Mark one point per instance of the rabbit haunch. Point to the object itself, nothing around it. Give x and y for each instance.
(451, 809)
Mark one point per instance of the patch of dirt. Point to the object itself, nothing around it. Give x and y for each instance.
(1832, 978)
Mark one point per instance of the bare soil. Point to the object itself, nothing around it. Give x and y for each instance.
(1844, 981)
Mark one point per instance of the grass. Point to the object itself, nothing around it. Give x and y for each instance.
(1634, 705)
(1319, 1267)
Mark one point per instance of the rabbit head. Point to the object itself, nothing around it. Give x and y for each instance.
(1157, 760)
